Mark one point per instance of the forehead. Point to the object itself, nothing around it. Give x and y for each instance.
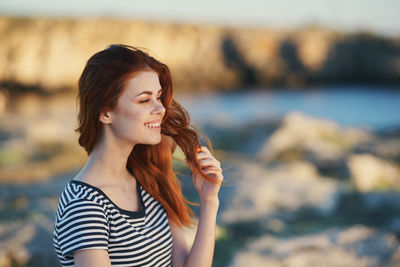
(142, 81)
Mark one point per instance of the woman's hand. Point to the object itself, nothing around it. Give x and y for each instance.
(208, 191)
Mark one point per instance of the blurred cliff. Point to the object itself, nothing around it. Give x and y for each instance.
(49, 54)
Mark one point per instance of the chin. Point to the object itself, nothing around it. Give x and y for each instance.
(154, 142)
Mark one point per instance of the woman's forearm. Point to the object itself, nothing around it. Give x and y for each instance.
(202, 251)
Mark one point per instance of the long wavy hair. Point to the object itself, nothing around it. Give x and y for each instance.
(100, 85)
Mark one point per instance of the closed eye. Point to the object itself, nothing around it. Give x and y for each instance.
(147, 100)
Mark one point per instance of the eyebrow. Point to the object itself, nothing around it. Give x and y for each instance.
(148, 93)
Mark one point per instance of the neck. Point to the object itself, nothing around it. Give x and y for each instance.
(107, 162)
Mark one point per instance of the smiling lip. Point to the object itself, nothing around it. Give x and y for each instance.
(155, 124)
(154, 121)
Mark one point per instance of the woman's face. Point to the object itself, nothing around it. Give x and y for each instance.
(139, 111)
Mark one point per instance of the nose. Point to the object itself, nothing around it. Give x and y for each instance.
(159, 108)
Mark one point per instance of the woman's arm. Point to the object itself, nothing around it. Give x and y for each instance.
(92, 257)
(202, 251)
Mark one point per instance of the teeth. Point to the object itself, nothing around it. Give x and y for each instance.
(152, 125)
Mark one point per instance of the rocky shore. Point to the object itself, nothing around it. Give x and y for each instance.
(48, 54)
(308, 193)
(315, 194)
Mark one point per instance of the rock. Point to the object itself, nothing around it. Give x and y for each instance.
(263, 192)
(316, 140)
(394, 259)
(314, 46)
(4, 260)
(388, 148)
(301, 170)
(236, 57)
(26, 223)
(369, 173)
(353, 246)
(28, 244)
(13, 242)
(4, 98)
(182, 46)
(50, 131)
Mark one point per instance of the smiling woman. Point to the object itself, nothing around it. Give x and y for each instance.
(125, 207)
(138, 112)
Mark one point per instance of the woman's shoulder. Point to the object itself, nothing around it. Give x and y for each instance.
(78, 195)
(80, 219)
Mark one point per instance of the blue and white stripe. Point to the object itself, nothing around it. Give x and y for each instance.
(87, 219)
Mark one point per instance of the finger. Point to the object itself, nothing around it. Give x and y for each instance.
(203, 149)
(209, 163)
(215, 174)
(214, 171)
(204, 154)
(200, 155)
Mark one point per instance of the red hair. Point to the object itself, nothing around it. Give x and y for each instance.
(100, 85)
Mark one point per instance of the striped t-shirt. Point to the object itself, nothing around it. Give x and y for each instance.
(87, 219)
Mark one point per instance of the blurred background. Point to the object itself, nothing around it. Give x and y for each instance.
(301, 100)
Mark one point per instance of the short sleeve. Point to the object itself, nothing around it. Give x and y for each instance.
(82, 225)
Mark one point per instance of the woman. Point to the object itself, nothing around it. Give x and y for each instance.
(125, 207)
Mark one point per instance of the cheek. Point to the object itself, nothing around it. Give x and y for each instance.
(127, 118)
(132, 118)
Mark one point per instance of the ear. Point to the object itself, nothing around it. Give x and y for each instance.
(105, 117)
